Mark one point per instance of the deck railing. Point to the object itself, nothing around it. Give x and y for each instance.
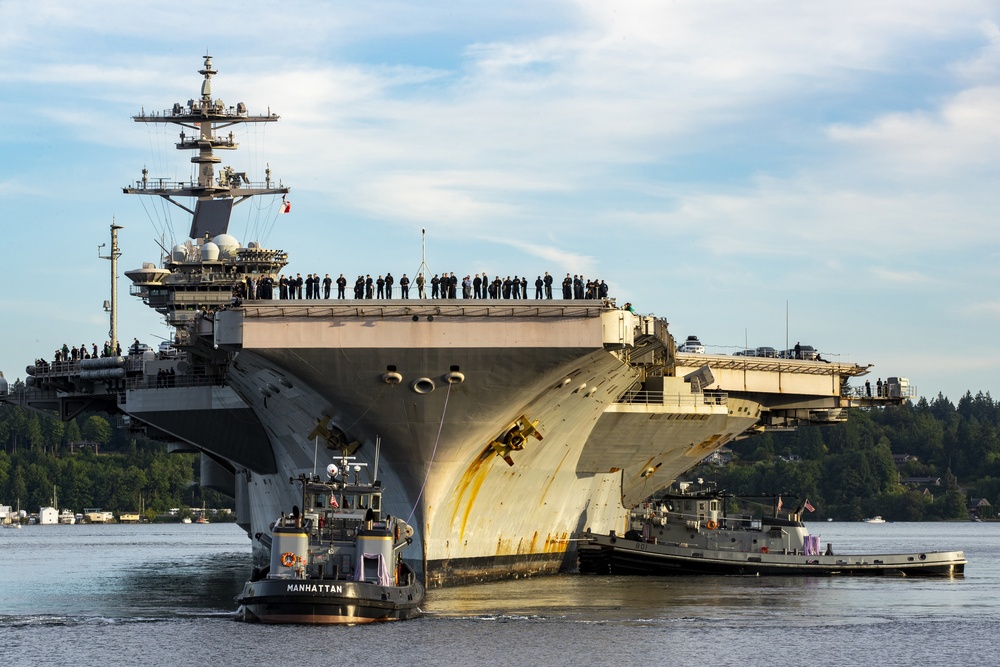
(660, 398)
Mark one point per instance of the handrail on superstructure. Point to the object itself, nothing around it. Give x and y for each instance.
(642, 397)
(417, 308)
(770, 364)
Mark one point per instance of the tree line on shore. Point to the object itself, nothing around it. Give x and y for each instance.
(915, 462)
(946, 455)
(89, 462)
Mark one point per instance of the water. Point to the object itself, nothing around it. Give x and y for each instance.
(162, 595)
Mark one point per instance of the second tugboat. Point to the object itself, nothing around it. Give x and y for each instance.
(690, 533)
(338, 560)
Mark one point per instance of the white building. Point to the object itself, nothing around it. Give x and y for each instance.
(48, 516)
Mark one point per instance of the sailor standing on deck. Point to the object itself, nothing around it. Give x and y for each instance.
(389, 280)
(404, 287)
(327, 284)
(420, 286)
(341, 284)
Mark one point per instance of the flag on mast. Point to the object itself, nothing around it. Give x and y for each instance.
(779, 503)
(286, 206)
(809, 506)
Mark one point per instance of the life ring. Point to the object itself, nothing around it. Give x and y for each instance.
(712, 525)
(763, 550)
(288, 559)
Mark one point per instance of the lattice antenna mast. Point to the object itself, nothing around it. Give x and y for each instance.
(423, 256)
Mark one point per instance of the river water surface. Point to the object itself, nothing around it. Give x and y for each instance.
(163, 595)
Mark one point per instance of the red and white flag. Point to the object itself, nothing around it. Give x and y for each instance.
(286, 206)
(779, 502)
(809, 506)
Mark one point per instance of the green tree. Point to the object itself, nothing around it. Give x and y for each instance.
(96, 429)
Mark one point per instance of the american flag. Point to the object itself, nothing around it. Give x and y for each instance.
(809, 506)
(779, 502)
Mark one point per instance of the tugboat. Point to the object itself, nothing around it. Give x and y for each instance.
(690, 533)
(338, 560)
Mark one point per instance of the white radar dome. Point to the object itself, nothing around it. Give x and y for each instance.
(210, 252)
(332, 469)
(178, 253)
(227, 244)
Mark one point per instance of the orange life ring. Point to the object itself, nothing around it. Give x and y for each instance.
(288, 559)
(763, 550)
(712, 525)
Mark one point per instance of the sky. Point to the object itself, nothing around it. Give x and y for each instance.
(758, 173)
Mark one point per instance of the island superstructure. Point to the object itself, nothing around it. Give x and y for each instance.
(506, 428)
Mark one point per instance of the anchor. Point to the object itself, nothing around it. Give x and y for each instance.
(333, 437)
(514, 437)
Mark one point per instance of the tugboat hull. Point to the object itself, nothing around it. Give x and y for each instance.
(612, 555)
(327, 602)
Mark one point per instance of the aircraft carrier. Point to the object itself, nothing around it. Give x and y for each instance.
(501, 429)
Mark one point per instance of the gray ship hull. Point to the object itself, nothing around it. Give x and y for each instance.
(478, 517)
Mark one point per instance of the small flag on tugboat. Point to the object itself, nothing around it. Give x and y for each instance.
(286, 206)
(779, 503)
(809, 506)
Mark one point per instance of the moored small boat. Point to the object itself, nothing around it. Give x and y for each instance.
(692, 534)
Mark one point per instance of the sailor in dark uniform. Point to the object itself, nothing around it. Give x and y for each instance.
(548, 285)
